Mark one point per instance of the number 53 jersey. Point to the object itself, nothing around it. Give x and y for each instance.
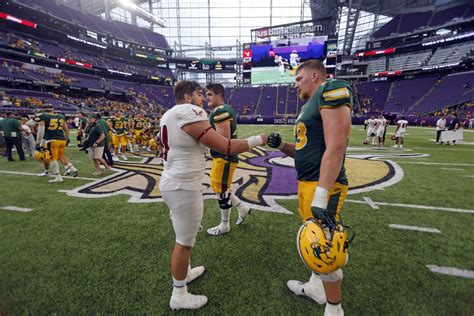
(309, 133)
(53, 125)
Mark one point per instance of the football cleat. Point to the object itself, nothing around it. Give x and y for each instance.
(187, 301)
(194, 273)
(313, 289)
(124, 157)
(44, 174)
(219, 230)
(333, 310)
(244, 211)
(56, 180)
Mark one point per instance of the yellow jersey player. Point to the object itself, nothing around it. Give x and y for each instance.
(321, 133)
(224, 120)
(138, 125)
(54, 130)
(118, 125)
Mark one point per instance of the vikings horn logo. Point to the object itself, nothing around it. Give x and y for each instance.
(262, 178)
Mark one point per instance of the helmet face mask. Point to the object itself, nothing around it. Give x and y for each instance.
(42, 155)
(323, 248)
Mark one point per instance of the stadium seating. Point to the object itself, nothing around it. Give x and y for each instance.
(376, 92)
(413, 21)
(408, 61)
(377, 65)
(451, 90)
(405, 93)
(117, 29)
(451, 54)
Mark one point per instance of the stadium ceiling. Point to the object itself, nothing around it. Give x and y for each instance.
(385, 7)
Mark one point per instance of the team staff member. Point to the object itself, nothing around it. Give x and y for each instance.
(321, 131)
(97, 143)
(224, 120)
(12, 135)
(185, 134)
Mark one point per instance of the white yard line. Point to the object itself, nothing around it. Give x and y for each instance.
(468, 274)
(468, 176)
(371, 203)
(455, 169)
(436, 163)
(415, 228)
(36, 175)
(423, 207)
(16, 209)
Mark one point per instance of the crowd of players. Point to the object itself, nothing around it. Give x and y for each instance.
(105, 137)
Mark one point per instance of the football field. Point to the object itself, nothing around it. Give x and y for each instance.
(271, 75)
(103, 245)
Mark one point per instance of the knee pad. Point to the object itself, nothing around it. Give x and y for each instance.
(224, 200)
(332, 277)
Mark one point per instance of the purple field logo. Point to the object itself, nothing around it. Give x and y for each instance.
(262, 178)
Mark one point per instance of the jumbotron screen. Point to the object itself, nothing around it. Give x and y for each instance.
(276, 62)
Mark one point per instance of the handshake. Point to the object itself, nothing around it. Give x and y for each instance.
(273, 140)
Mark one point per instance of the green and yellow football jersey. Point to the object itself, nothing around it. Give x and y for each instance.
(221, 114)
(53, 124)
(119, 124)
(309, 133)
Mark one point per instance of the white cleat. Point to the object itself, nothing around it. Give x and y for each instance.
(194, 273)
(115, 158)
(67, 172)
(332, 310)
(187, 301)
(44, 174)
(123, 157)
(56, 180)
(244, 210)
(313, 289)
(218, 230)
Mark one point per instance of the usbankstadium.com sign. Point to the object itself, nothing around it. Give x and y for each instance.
(286, 30)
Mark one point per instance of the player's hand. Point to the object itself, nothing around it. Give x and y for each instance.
(274, 140)
(67, 141)
(323, 215)
(264, 138)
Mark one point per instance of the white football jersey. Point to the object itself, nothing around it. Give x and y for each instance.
(403, 124)
(183, 156)
(371, 123)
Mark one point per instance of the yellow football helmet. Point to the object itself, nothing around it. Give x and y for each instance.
(322, 247)
(43, 155)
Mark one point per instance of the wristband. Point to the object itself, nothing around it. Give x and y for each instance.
(253, 141)
(320, 198)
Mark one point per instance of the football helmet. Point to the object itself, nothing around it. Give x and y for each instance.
(43, 155)
(323, 246)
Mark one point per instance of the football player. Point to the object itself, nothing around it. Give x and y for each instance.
(223, 119)
(138, 126)
(400, 132)
(185, 134)
(321, 133)
(380, 126)
(370, 131)
(53, 128)
(118, 126)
